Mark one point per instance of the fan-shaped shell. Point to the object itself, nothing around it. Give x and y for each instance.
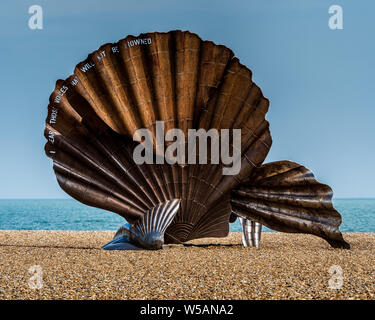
(173, 77)
(285, 196)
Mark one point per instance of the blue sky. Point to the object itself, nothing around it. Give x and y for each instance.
(320, 82)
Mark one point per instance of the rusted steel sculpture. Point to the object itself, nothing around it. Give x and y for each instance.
(187, 83)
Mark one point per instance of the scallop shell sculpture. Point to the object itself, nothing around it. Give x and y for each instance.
(186, 83)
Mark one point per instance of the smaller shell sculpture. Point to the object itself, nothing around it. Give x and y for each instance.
(177, 80)
(148, 232)
(285, 196)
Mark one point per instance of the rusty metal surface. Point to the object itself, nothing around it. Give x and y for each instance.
(173, 77)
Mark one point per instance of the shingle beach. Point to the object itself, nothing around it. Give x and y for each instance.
(286, 266)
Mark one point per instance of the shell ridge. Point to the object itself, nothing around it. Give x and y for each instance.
(106, 71)
(90, 199)
(62, 169)
(94, 92)
(68, 147)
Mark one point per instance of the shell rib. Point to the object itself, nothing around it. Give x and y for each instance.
(149, 230)
(286, 197)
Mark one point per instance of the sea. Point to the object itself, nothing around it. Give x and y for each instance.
(358, 215)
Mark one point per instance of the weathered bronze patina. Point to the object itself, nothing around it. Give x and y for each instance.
(188, 83)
